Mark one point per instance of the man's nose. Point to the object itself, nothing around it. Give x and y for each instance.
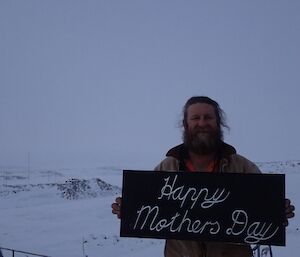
(202, 121)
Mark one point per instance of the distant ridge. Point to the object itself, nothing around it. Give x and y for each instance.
(291, 166)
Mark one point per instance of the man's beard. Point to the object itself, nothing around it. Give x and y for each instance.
(202, 141)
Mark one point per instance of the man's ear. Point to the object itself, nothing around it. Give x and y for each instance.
(184, 123)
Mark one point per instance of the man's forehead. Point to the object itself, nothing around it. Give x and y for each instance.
(201, 108)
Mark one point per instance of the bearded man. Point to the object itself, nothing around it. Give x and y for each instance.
(204, 150)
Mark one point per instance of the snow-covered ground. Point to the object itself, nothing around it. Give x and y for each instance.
(66, 212)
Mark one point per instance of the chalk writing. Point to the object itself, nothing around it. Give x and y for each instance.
(206, 199)
(177, 223)
(256, 231)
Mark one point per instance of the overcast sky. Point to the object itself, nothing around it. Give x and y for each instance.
(85, 83)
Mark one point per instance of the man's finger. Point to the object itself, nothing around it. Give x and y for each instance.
(115, 207)
(119, 200)
(289, 209)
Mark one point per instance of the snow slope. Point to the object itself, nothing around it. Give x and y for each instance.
(66, 212)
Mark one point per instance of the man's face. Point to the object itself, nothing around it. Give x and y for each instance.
(201, 133)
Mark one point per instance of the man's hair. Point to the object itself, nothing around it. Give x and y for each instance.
(220, 114)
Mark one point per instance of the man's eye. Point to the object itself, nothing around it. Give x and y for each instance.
(205, 117)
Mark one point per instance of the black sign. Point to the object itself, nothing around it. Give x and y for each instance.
(219, 207)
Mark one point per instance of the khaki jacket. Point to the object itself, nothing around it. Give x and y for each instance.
(234, 163)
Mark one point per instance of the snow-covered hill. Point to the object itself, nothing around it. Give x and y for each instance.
(66, 212)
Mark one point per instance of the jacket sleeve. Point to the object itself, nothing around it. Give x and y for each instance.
(244, 165)
(168, 164)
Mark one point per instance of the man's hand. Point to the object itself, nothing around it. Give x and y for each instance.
(116, 207)
(289, 211)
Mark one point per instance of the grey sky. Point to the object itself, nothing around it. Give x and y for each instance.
(103, 82)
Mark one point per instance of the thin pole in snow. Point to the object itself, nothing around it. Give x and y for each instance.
(28, 167)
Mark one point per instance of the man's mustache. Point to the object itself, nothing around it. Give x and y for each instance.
(203, 130)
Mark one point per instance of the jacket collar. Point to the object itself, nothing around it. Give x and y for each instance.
(180, 152)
